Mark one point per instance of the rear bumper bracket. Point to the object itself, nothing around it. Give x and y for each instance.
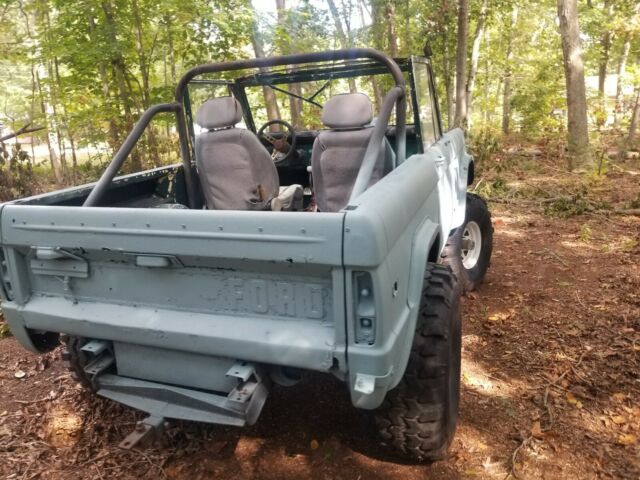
(240, 407)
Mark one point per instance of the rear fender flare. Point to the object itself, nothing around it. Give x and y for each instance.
(423, 242)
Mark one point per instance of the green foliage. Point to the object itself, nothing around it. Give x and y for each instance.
(493, 190)
(635, 203)
(4, 328)
(574, 205)
(17, 178)
(484, 144)
(86, 70)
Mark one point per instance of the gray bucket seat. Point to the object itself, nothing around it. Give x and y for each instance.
(236, 171)
(338, 153)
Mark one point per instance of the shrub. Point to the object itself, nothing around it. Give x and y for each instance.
(17, 178)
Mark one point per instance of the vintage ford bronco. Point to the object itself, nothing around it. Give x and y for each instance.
(186, 291)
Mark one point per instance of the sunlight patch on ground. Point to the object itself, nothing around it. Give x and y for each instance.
(511, 233)
(481, 380)
(475, 442)
(62, 428)
(579, 247)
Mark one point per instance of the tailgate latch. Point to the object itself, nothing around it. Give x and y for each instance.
(58, 262)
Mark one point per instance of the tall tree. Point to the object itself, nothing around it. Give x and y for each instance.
(635, 118)
(475, 55)
(622, 68)
(577, 124)
(506, 92)
(461, 64)
(605, 47)
(287, 34)
(342, 37)
(447, 67)
(392, 30)
(270, 100)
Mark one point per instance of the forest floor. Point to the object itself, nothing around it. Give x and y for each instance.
(550, 382)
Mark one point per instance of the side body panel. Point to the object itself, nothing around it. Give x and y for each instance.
(452, 163)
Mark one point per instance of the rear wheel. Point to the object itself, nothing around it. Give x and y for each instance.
(418, 417)
(469, 247)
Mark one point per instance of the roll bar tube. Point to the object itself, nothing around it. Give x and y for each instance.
(130, 142)
(326, 56)
(396, 94)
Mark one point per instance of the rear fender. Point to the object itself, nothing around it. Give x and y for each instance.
(389, 232)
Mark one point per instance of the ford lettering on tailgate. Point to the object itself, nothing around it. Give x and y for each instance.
(280, 298)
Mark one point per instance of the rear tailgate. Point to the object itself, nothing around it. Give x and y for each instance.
(258, 286)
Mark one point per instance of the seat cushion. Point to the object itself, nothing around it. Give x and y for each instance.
(236, 171)
(335, 162)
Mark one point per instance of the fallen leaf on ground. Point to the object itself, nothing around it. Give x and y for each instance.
(619, 397)
(573, 400)
(536, 430)
(627, 439)
(618, 419)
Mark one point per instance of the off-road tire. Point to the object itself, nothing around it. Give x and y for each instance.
(76, 359)
(471, 276)
(418, 417)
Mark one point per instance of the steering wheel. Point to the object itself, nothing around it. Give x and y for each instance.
(280, 144)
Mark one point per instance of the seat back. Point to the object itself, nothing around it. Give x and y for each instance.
(236, 171)
(338, 153)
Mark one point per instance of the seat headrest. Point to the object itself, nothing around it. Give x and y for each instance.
(347, 110)
(219, 112)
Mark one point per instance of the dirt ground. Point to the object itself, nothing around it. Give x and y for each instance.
(551, 368)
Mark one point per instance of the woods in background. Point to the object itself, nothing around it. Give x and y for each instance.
(83, 72)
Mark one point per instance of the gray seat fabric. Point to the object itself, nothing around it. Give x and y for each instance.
(338, 153)
(236, 171)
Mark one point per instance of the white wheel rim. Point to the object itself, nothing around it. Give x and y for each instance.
(471, 245)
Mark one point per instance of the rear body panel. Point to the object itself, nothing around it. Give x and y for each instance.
(234, 284)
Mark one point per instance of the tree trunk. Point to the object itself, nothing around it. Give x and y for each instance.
(342, 38)
(506, 94)
(270, 100)
(448, 76)
(171, 58)
(66, 125)
(577, 125)
(144, 65)
(605, 45)
(622, 68)
(392, 30)
(375, 21)
(289, 47)
(52, 86)
(461, 64)
(633, 128)
(53, 156)
(475, 57)
(120, 72)
(114, 141)
(142, 56)
(36, 81)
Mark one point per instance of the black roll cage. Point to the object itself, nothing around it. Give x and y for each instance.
(395, 98)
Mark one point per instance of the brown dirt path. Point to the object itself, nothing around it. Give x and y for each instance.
(551, 381)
